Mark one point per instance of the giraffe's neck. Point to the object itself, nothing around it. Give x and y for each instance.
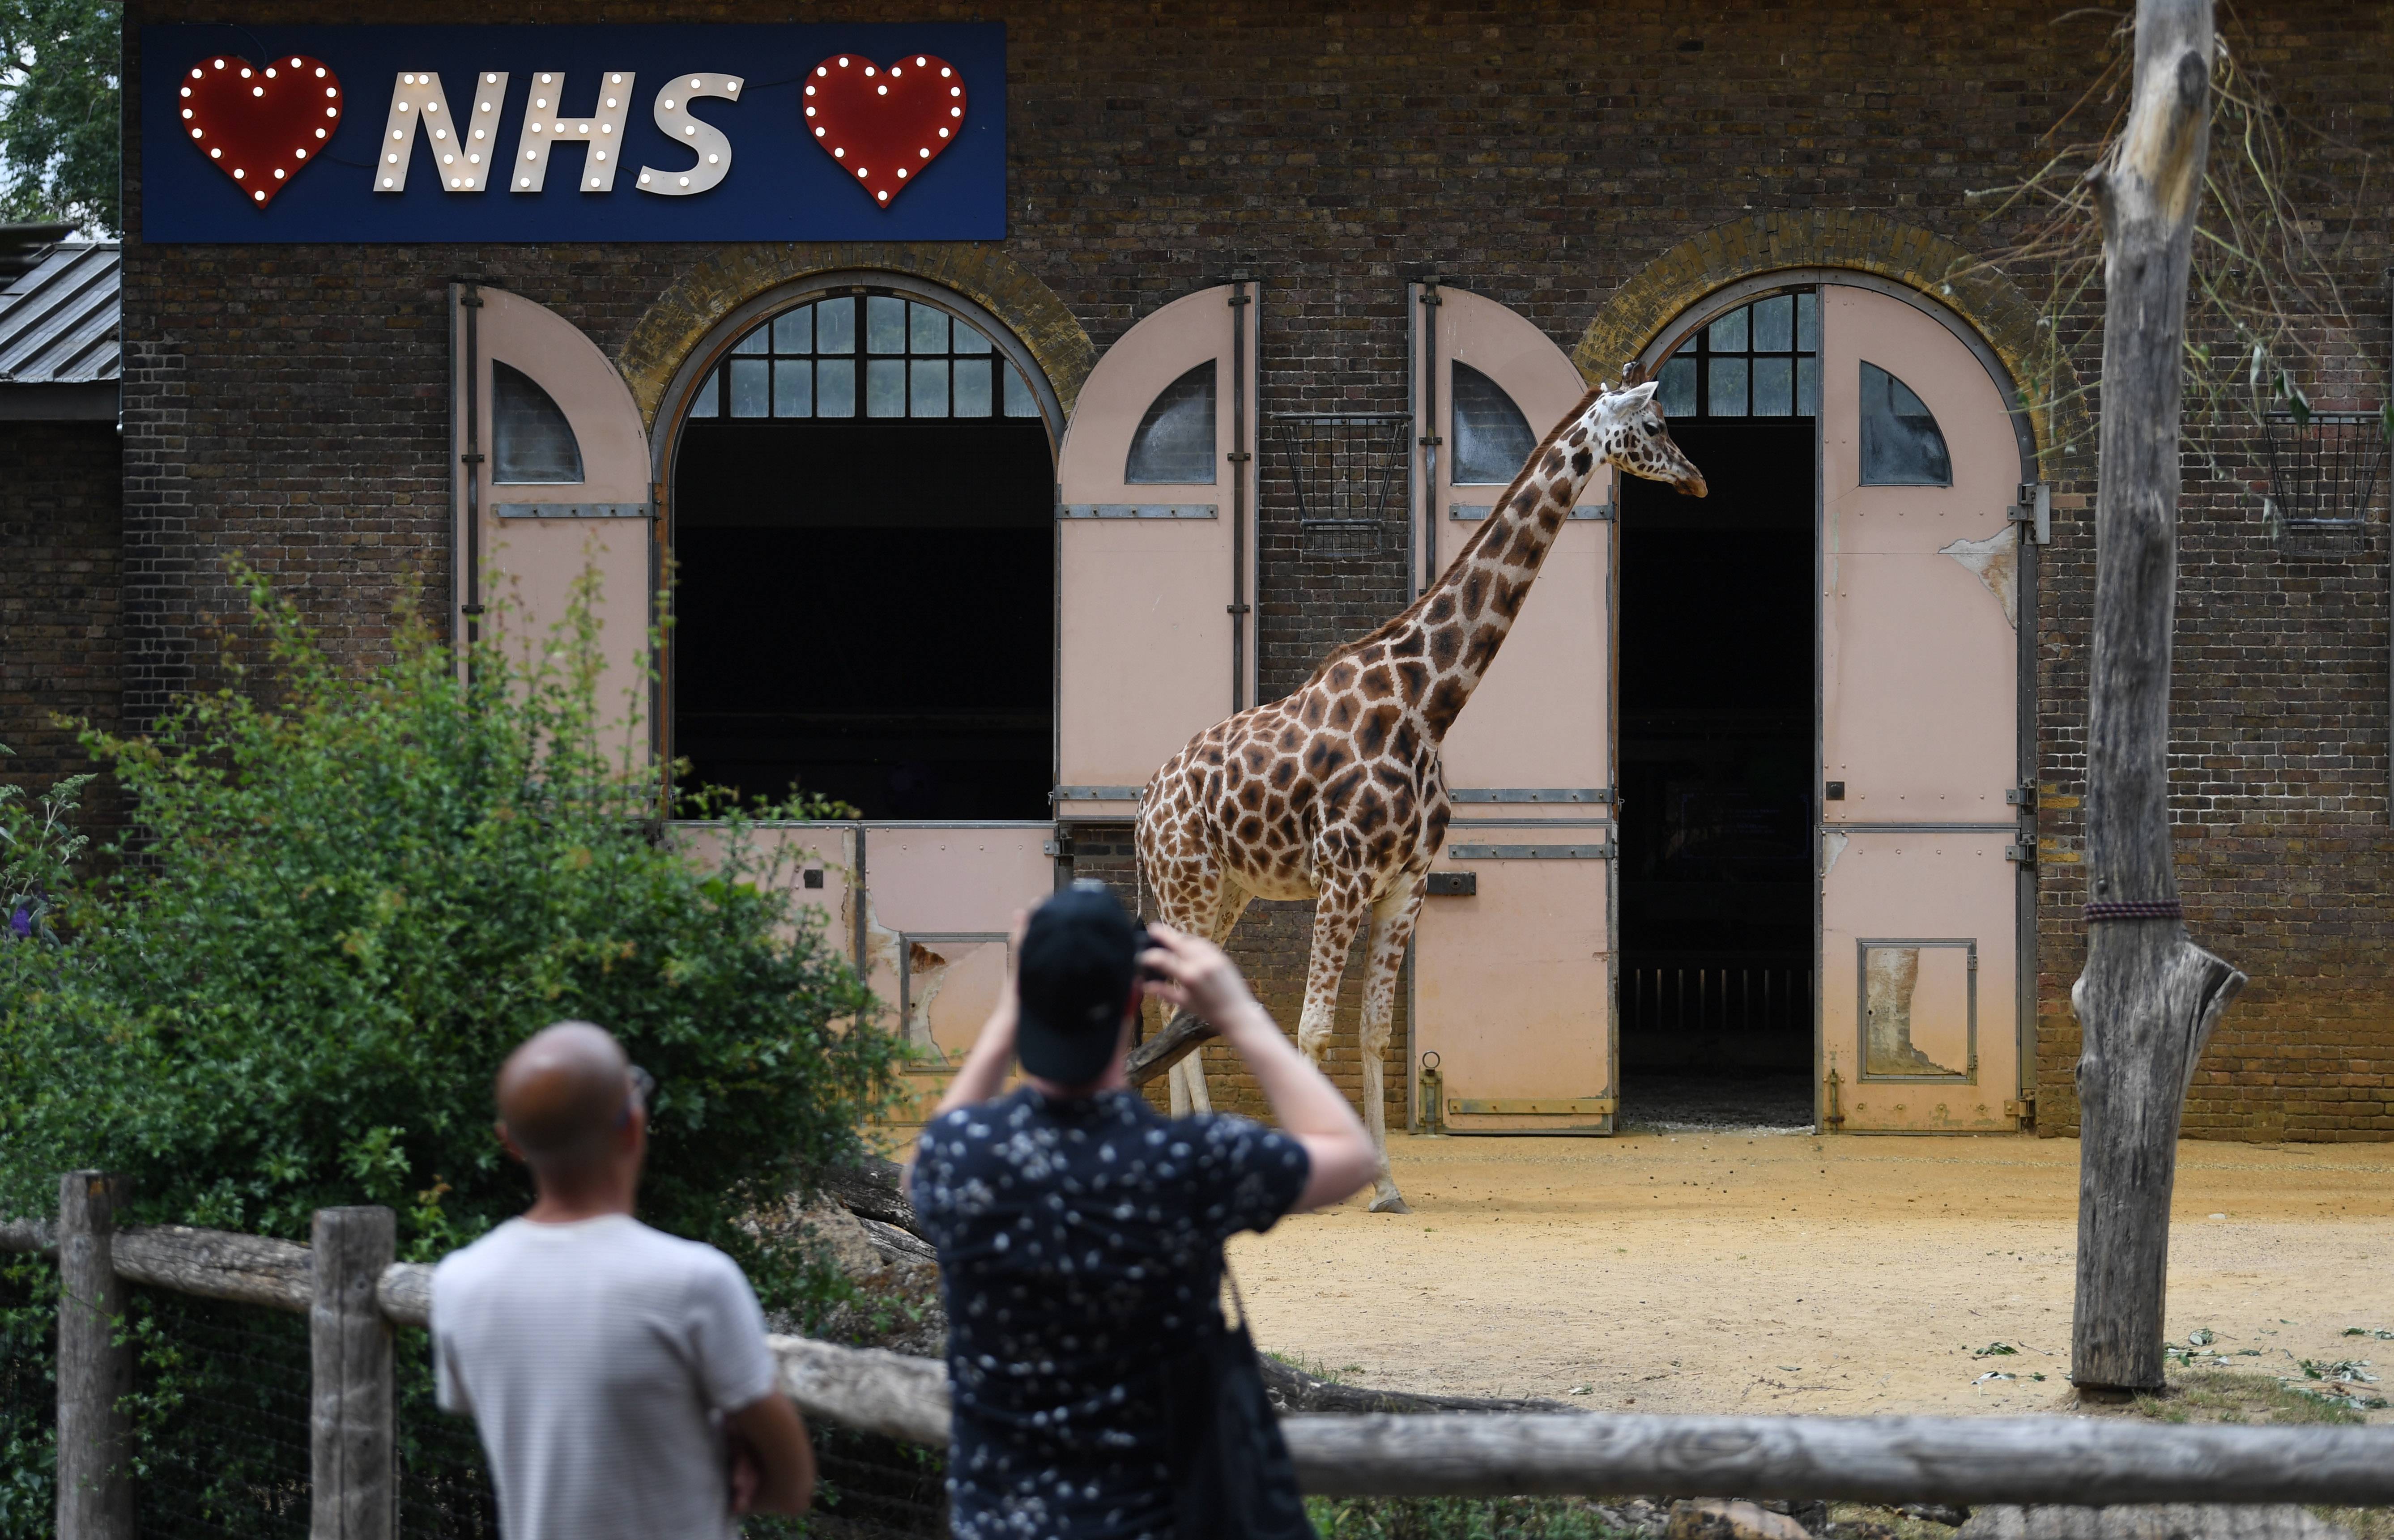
(1461, 621)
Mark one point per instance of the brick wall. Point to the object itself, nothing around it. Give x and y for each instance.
(287, 403)
(61, 549)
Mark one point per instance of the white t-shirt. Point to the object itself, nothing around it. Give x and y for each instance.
(596, 1357)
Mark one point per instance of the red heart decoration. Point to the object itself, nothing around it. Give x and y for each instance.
(883, 126)
(261, 124)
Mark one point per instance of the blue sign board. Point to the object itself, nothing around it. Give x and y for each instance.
(812, 132)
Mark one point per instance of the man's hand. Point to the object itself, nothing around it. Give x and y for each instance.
(769, 1439)
(1197, 974)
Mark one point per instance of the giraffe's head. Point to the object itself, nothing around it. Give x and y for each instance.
(1635, 437)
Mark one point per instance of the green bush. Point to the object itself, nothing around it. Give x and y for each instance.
(348, 896)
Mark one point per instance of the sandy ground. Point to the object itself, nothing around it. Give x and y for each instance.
(1734, 1271)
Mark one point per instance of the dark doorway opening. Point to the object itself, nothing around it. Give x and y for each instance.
(1717, 643)
(865, 568)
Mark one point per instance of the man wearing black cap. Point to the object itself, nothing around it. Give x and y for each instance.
(1080, 1232)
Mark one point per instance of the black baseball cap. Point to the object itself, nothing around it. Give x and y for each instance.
(1080, 953)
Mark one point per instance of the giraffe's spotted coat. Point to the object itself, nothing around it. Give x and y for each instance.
(1333, 793)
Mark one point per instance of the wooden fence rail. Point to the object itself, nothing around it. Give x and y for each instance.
(2077, 1461)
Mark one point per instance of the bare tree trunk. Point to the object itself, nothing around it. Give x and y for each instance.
(2149, 998)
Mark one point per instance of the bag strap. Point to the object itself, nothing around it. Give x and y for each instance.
(1236, 1297)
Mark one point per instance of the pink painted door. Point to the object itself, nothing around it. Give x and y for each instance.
(551, 481)
(1513, 959)
(1155, 548)
(1919, 744)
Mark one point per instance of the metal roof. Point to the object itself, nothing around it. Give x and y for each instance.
(59, 320)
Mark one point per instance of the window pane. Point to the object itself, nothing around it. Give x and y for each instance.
(1774, 386)
(531, 441)
(702, 401)
(968, 340)
(836, 326)
(1808, 322)
(927, 329)
(794, 388)
(884, 388)
(972, 386)
(928, 387)
(1901, 445)
(1774, 325)
(1728, 333)
(885, 324)
(834, 387)
(1725, 394)
(1492, 437)
(749, 383)
(1807, 387)
(755, 342)
(794, 331)
(1020, 400)
(1174, 441)
(1677, 395)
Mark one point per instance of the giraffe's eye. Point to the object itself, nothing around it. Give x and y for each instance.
(1650, 427)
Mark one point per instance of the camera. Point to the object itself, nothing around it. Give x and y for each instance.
(1144, 939)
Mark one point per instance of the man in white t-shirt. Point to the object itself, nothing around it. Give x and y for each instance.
(619, 1375)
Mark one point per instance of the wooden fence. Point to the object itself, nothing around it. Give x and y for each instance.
(352, 1292)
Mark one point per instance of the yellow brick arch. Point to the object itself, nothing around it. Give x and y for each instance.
(728, 277)
(1856, 240)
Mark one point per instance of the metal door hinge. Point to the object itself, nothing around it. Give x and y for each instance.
(1238, 298)
(1239, 456)
(2034, 509)
(1432, 439)
(2022, 797)
(2024, 852)
(469, 459)
(2023, 1109)
(1238, 609)
(471, 296)
(470, 611)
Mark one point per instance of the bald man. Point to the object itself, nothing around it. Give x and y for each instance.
(619, 1376)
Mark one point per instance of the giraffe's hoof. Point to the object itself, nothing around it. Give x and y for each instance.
(1393, 1203)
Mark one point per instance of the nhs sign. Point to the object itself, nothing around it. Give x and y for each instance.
(814, 132)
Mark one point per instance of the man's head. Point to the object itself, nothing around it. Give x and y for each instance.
(1076, 979)
(568, 1105)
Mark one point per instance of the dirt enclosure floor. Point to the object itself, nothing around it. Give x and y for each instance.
(1724, 1271)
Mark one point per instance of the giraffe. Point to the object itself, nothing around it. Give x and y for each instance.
(1334, 793)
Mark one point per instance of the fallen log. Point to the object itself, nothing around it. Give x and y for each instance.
(1181, 1037)
(1294, 1391)
(869, 1389)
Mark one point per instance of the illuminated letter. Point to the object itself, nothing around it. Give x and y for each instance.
(463, 150)
(701, 138)
(545, 128)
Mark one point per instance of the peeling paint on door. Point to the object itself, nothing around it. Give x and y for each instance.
(1995, 562)
(1832, 845)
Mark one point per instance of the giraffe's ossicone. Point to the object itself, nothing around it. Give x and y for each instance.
(1333, 793)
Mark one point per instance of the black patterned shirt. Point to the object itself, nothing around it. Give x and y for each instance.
(1080, 1248)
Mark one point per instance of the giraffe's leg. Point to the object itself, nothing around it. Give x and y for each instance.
(1189, 896)
(1338, 912)
(1392, 928)
(1189, 1093)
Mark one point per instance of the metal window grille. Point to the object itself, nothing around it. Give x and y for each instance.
(1343, 468)
(2324, 473)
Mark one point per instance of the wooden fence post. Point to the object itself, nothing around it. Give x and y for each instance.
(352, 1459)
(95, 1371)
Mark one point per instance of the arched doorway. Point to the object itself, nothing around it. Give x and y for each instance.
(864, 556)
(1825, 718)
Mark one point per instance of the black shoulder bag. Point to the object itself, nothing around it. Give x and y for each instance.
(1234, 1479)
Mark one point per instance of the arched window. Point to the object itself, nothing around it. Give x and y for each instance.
(917, 361)
(1173, 446)
(1761, 360)
(531, 441)
(1492, 439)
(864, 541)
(1901, 444)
